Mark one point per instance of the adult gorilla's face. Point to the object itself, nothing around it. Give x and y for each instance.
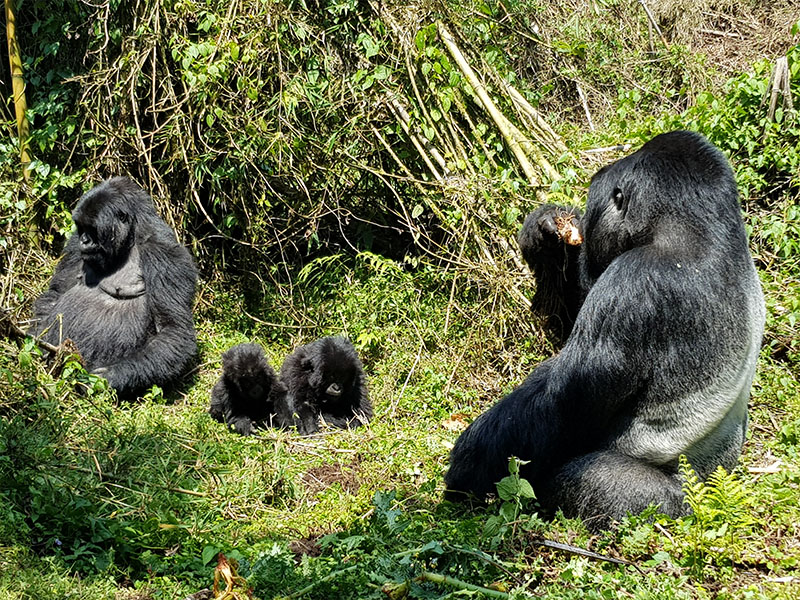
(105, 230)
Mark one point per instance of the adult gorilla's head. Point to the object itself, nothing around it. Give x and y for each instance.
(106, 219)
(675, 187)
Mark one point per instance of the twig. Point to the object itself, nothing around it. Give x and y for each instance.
(585, 104)
(19, 333)
(653, 23)
(582, 552)
(721, 33)
(617, 148)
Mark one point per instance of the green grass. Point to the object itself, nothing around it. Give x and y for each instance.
(101, 499)
(134, 500)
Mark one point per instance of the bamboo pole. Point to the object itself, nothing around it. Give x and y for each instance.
(18, 87)
(535, 116)
(508, 130)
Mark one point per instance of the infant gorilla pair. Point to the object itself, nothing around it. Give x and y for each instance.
(322, 379)
(664, 315)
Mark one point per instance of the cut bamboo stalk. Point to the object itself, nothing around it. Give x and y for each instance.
(534, 114)
(18, 87)
(403, 118)
(465, 113)
(405, 121)
(432, 149)
(397, 159)
(456, 143)
(652, 20)
(507, 129)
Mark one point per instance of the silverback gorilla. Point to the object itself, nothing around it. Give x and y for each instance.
(326, 378)
(662, 353)
(248, 393)
(123, 291)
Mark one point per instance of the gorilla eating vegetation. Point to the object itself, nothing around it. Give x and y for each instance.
(325, 378)
(248, 393)
(123, 291)
(663, 350)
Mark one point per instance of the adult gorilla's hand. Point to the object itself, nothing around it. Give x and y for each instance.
(543, 231)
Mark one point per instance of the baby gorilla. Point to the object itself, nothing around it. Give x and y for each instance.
(326, 378)
(248, 393)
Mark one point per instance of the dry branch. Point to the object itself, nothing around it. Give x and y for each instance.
(509, 131)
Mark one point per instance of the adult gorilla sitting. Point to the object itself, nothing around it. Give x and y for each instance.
(669, 317)
(123, 291)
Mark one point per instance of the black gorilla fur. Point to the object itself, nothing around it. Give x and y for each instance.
(123, 291)
(326, 378)
(248, 393)
(662, 354)
(555, 266)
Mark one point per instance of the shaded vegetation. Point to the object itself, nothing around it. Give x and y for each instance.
(272, 135)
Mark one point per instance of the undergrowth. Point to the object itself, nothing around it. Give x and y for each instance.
(260, 138)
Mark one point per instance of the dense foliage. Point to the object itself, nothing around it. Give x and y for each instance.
(333, 169)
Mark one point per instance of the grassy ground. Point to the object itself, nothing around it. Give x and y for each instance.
(97, 494)
(134, 501)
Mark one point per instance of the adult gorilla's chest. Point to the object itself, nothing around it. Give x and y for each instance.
(108, 317)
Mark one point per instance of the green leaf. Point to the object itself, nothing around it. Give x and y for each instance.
(507, 488)
(370, 46)
(382, 72)
(417, 211)
(209, 553)
(525, 489)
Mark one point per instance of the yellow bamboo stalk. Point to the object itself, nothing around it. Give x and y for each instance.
(508, 130)
(535, 116)
(18, 87)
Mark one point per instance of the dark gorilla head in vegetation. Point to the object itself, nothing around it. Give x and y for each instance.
(326, 378)
(248, 393)
(676, 186)
(106, 221)
(668, 318)
(123, 291)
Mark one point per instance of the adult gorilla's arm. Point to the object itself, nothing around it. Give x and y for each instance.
(169, 276)
(559, 411)
(66, 275)
(554, 264)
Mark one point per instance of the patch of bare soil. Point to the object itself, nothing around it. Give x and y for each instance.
(307, 546)
(324, 476)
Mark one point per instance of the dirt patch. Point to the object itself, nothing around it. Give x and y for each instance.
(324, 476)
(306, 546)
